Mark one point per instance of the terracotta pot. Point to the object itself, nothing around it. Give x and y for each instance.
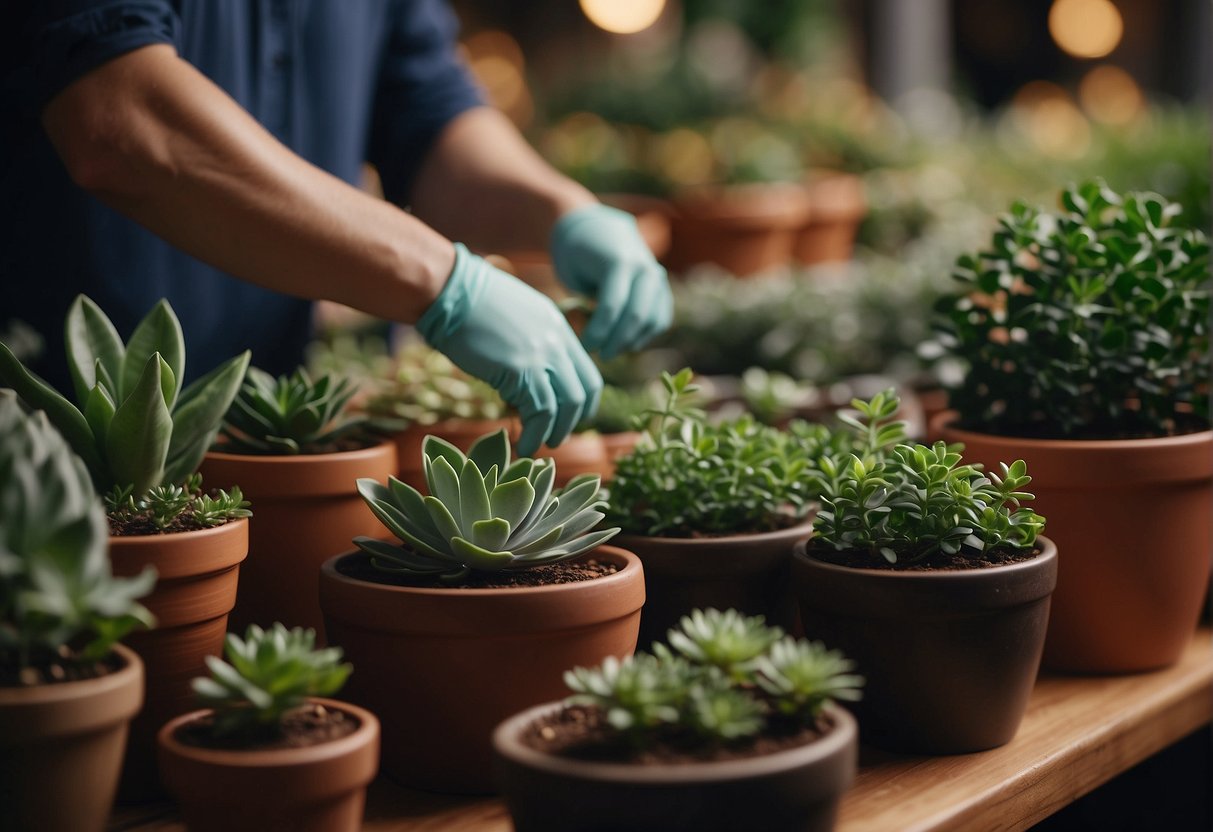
(747, 572)
(195, 589)
(305, 510)
(620, 444)
(652, 218)
(1129, 593)
(459, 432)
(795, 789)
(580, 453)
(950, 656)
(61, 749)
(317, 788)
(746, 229)
(443, 666)
(836, 208)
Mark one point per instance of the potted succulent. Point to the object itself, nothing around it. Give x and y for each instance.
(836, 208)
(924, 569)
(733, 726)
(67, 688)
(270, 751)
(1086, 338)
(498, 584)
(290, 443)
(142, 435)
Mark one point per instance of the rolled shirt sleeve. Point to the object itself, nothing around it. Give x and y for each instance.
(422, 86)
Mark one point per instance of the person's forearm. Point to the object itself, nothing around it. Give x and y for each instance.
(483, 184)
(155, 139)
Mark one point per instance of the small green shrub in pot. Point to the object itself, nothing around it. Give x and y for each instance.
(728, 695)
(269, 728)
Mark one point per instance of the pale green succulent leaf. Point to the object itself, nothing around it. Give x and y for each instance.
(511, 500)
(473, 499)
(442, 518)
(139, 434)
(444, 484)
(491, 534)
(479, 558)
(91, 339)
(491, 449)
(158, 332)
(99, 412)
(436, 447)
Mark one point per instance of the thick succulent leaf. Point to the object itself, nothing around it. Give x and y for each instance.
(517, 468)
(575, 498)
(512, 500)
(444, 484)
(401, 558)
(99, 412)
(491, 449)
(579, 524)
(542, 478)
(441, 516)
(198, 414)
(473, 499)
(436, 447)
(412, 503)
(538, 543)
(478, 558)
(491, 534)
(90, 339)
(573, 548)
(138, 439)
(408, 531)
(158, 332)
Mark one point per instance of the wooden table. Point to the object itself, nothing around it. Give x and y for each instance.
(1079, 733)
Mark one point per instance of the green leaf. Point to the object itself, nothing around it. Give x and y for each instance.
(491, 449)
(198, 414)
(98, 412)
(158, 332)
(90, 338)
(473, 499)
(491, 534)
(138, 439)
(444, 485)
(435, 448)
(478, 557)
(511, 501)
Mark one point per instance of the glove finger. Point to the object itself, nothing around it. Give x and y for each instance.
(570, 400)
(612, 300)
(590, 378)
(642, 309)
(662, 311)
(536, 405)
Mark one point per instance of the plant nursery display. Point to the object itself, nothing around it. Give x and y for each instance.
(1086, 338)
(498, 583)
(67, 688)
(271, 751)
(297, 453)
(142, 434)
(733, 726)
(922, 568)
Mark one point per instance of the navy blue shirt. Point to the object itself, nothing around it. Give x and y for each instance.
(340, 82)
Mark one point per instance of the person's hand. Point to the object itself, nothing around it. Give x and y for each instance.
(598, 251)
(499, 329)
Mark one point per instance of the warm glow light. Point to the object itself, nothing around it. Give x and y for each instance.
(1085, 28)
(497, 62)
(623, 17)
(1111, 95)
(685, 157)
(1045, 114)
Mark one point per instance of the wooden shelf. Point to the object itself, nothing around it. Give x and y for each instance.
(1079, 733)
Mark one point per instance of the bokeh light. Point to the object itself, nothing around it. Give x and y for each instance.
(623, 17)
(1086, 28)
(496, 60)
(1110, 95)
(1046, 114)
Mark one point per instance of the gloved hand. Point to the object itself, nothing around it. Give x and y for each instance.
(598, 251)
(499, 329)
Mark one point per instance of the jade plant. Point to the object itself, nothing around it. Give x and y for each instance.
(483, 513)
(724, 679)
(290, 414)
(267, 675)
(1091, 322)
(133, 423)
(427, 388)
(59, 601)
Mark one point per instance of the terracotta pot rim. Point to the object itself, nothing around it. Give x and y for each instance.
(946, 420)
(372, 451)
(791, 532)
(507, 744)
(765, 206)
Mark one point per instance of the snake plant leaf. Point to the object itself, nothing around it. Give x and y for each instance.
(511, 500)
(139, 434)
(473, 498)
(491, 534)
(479, 558)
(491, 449)
(99, 412)
(198, 415)
(91, 339)
(158, 332)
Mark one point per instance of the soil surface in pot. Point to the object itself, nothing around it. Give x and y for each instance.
(312, 724)
(67, 668)
(582, 733)
(941, 561)
(141, 525)
(359, 567)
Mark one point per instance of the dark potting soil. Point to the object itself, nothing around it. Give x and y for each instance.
(311, 724)
(566, 572)
(1182, 424)
(581, 732)
(65, 667)
(857, 559)
(140, 525)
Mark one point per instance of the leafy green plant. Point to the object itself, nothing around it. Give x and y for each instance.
(774, 397)
(483, 513)
(727, 678)
(268, 673)
(290, 414)
(917, 502)
(132, 423)
(427, 388)
(59, 600)
(1091, 322)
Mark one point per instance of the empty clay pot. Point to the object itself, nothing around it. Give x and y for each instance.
(793, 790)
(580, 453)
(1133, 522)
(306, 509)
(442, 667)
(316, 788)
(459, 432)
(61, 749)
(195, 589)
(836, 208)
(949, 656)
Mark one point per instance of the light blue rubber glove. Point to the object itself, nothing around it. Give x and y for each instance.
(598, 251)
(499, 329)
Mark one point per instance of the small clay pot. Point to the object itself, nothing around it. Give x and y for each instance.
(459, 432)
(794, 789)
(196, 577)
(315, 788)
(746, 572)
(306, 508)
(61, 749)
(836, 208)
(442, 667)
(579, 453)
(1132, 518)
(949, 655)
(652, 218)
(745, 229)
(620, 444)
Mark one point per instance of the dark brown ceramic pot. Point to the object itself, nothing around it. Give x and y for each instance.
(747, 572)
(442, 667)
(580, 453)
(459, 432)
(196, 577)
(1132, 519)
(315, 788)
(795, 789)
(306, 509)
(836, 208)
(745, 229)
(61, 749)
(950, 656)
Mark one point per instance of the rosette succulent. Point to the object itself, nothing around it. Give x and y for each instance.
(288, 414)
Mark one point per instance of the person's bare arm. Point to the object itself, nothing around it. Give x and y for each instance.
(158, 141)
(483, 184)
